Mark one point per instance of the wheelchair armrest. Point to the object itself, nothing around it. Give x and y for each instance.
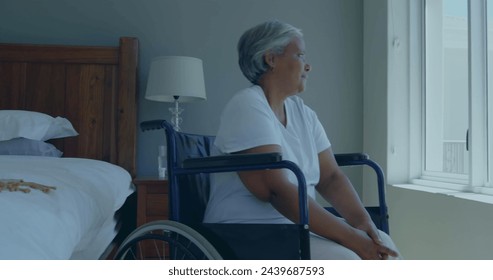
(351, 159)
(232, 160)
(246, 162)
(364, 159)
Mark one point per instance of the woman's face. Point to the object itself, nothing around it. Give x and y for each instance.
(291, 68)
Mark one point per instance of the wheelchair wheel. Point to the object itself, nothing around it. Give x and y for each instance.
(163, 240)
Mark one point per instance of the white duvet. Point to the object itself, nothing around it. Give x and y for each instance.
(75, 221)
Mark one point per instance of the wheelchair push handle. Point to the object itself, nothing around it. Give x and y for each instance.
(152, 125)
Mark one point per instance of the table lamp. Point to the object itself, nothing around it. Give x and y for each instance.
(175, 79)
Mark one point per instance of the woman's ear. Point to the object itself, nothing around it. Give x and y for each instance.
(269, 59)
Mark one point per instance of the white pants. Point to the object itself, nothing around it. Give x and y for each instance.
(326, 249)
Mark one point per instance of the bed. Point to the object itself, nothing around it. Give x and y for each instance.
(68, 121)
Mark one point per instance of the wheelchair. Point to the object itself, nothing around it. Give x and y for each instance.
(186, 237)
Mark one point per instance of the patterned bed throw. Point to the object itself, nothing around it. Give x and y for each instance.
(14, 185)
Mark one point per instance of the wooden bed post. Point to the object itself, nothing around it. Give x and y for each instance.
(127, 104)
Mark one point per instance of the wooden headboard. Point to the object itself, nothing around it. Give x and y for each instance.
(94, 87)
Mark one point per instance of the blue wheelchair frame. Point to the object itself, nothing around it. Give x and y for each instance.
(190, 154)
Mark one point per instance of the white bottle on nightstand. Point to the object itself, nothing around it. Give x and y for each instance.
(162, 161)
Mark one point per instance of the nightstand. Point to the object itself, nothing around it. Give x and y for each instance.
(152, 204)
(152, 199)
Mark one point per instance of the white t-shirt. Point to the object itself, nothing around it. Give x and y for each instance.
(246, 122)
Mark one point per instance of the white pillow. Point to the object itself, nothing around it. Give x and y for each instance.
(28, 147)
(33, 125)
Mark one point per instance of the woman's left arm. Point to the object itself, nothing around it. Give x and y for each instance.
(335, 187)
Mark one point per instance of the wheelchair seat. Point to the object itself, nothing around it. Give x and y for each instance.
(191, 160)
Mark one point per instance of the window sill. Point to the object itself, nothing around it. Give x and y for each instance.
(483, 195)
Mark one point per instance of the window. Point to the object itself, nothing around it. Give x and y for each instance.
(456, 106)
(446, 88)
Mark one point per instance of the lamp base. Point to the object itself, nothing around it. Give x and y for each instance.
(176, 120)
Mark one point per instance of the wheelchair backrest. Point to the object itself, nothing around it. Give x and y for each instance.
(188, 193)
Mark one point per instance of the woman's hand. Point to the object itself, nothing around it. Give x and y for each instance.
(372, 231)
(366, 247)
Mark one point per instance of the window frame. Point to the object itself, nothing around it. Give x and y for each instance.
(480, 122)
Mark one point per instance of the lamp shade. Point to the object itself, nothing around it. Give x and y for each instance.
(175, 76)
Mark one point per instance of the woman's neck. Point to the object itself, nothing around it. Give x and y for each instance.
(276, 100)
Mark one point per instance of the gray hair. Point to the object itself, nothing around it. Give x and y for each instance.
(255, 42)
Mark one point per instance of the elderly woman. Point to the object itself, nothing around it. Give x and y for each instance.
(269, 117)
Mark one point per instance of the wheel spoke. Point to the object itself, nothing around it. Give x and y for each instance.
(166, 239)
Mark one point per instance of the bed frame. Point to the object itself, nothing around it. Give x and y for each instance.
(94, 87)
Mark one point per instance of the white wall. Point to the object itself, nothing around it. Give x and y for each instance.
(430, 226)
(209, 29)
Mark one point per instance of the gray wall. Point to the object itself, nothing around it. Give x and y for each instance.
(209, 29)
